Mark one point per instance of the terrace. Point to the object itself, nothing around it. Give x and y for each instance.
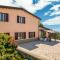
(43, 50)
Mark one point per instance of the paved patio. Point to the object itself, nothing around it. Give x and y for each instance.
(42, 49)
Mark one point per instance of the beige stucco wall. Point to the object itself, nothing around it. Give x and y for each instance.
(12, 26)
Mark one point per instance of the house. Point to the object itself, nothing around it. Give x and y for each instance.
(19, 23)
(45, 32)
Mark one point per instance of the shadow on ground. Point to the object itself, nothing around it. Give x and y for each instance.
(32, 45)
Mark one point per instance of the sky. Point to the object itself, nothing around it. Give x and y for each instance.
(47, 10)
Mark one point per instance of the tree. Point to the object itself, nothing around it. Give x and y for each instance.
(41, 25)
(7, 50)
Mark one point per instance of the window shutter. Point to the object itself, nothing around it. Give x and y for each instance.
(23, 20)
(6, 17)
(34, 34)
(29, 34)
(24, 35)
(1, 16)
(16, 36)
(17, 19)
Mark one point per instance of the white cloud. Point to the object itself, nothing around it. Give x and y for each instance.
(55, 7)
(55, 13)
(53, 21)
(53, 0)
(58, 30)
(7, 3)
(56, 10)
(27, 4)
(47, 13)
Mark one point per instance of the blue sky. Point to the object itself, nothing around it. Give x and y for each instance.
(47, 10)
(49, 13)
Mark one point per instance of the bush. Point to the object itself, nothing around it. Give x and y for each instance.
(8, 50)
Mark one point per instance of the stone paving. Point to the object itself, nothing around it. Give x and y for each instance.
(42, 49)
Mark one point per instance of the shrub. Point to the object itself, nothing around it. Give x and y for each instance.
(8, 50)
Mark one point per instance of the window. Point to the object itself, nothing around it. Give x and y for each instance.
(20, 35)
(20, 19)
(4, 17)
(31, 34)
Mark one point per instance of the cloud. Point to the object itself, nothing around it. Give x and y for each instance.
(58, 30)
(53, 0)
(47, 13)
(53, 21)
(27, 4)
(8, 3)
(4, 2)
(55, 13)
(56, 10)
(55, 7)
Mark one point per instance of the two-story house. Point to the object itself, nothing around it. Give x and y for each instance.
(18, 22)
